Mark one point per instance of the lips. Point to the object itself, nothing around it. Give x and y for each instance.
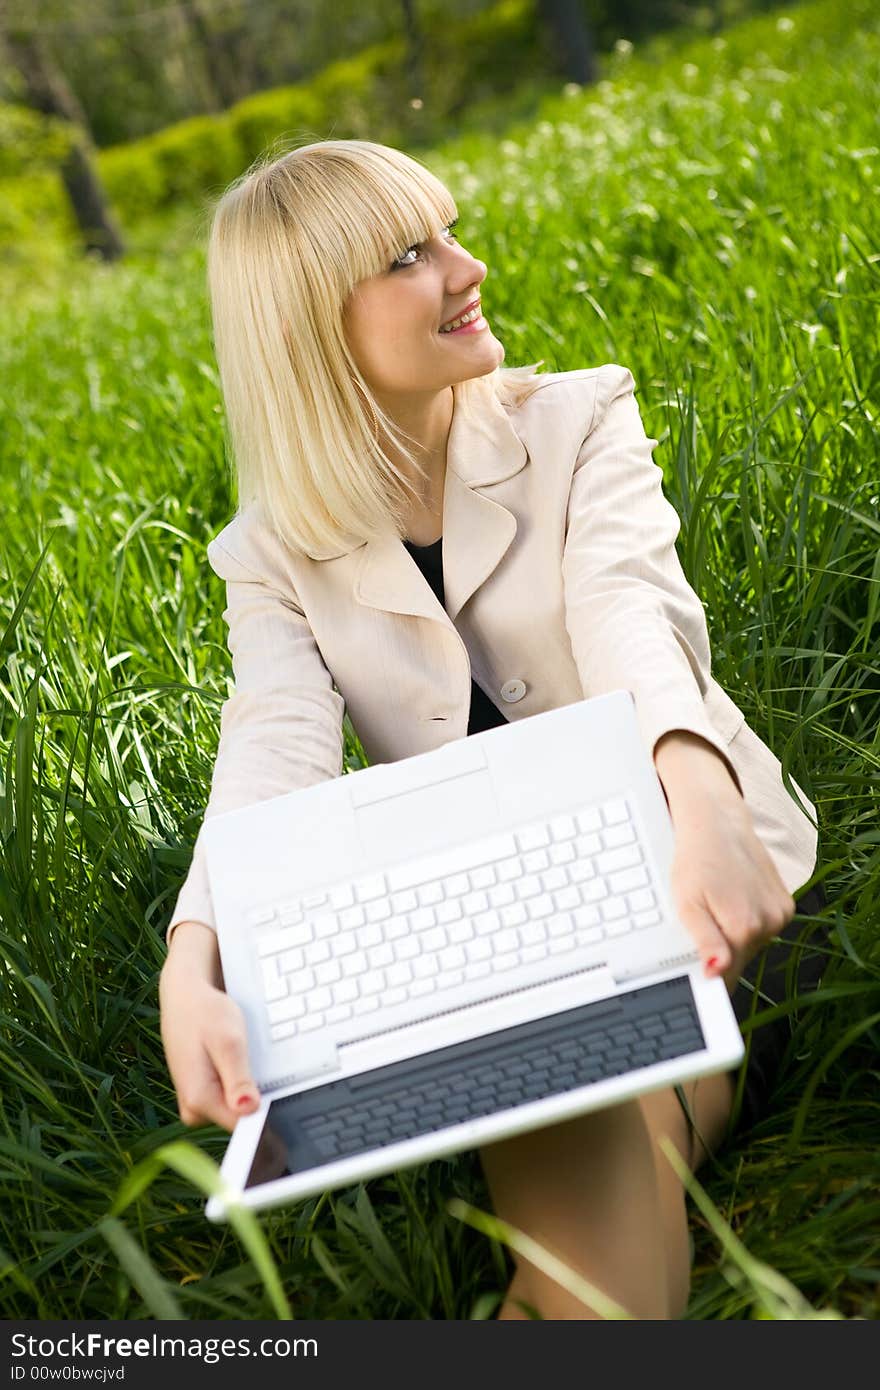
(466, 310)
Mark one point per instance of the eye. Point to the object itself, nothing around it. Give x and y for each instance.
(402, 264)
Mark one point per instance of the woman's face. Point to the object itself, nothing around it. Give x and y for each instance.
(393, 321)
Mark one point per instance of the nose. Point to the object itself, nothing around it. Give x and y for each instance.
(465, 270)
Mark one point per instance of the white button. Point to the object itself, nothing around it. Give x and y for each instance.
(512, 691)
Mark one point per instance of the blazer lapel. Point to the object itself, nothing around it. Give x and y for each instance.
(483, 449)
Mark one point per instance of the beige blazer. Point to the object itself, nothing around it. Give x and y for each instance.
(562, 582)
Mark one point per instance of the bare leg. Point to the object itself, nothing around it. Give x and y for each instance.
(599, 1193)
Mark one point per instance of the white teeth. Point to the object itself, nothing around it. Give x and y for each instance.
(465, 318)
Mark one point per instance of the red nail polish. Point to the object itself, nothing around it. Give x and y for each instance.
(712, 962)
(242, 1101)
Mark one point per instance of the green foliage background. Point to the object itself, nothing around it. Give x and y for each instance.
(704, 216)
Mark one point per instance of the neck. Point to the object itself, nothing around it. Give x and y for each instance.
(427, 418)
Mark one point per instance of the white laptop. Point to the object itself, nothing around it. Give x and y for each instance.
(439, 952)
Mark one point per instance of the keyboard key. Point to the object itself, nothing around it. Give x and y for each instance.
(508, 917)
(378, 910)
(302, 981)
(612, 908)
(372, 886)
(504, 941)
(259, 916)
(429, 894)
(366, 1004)
(630, 878)
(532, 837)
(611, 859)
(483, 877)
(354, 964)
(274, 984)
(479, 949)
(615, 811)
(399, 974)
(276, 941)
(532, 933)
(405, 901)
(345, 992)
(528, 887)
(286, 1009)
(643, 899)
(508, 870)
(562, 828)
(450, 911)
(587, 845)
(646, 919)
(501, 895)
(460, 931)
(587, 916)
(589, 819)
(566, 898)
(618, 928)
(328, 971)
(536, 860)
(311, 1022)
(541, 906)
(317, 951)
(369, 935)
(340, 897)
(617, 835)
(452, 958)
(423, 917)
(554, 879)
(352, 917)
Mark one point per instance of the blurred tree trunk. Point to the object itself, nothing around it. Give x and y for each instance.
(572, 37)
(221, 84)
(415, 76)
(47, 90)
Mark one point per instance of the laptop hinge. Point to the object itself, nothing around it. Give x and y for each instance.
(310, 1057)
(639, 970)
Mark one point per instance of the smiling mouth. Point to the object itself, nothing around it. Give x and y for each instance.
(471, 314)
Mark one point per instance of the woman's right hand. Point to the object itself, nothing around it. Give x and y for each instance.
(203, 1032)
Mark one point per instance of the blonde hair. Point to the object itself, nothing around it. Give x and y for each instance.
(290, 239)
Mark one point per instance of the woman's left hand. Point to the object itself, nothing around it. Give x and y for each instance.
(725, 885)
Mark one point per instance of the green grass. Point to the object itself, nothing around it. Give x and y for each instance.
(704, 217)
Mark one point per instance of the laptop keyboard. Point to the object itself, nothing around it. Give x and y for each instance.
(468, 1080)
(535, 902)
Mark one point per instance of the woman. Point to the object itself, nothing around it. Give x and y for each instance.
(369, 427)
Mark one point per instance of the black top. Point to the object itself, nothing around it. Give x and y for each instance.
(429, 558)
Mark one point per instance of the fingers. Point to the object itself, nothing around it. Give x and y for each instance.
(205, 1041)
(715, 951)
(230, 1056)
(729, 934)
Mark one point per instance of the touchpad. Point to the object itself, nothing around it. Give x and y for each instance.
(425, 819)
